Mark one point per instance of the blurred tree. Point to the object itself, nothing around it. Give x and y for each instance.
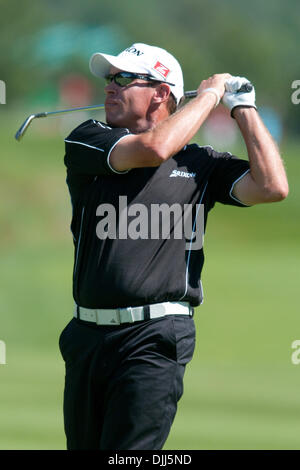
(256, 40)
(18, 21)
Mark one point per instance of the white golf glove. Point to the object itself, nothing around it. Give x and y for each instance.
(232, 99)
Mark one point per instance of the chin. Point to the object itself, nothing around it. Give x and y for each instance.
(112, 122)
(115, 121)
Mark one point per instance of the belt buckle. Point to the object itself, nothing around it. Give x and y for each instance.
(125, 315)
(118, 317)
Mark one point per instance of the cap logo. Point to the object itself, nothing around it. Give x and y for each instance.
(162, 69)
(135, 51)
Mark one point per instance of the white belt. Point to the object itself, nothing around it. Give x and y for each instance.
(132, 314)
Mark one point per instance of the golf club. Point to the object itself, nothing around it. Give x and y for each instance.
(19, 134)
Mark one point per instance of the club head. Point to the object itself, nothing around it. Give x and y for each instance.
(24, 127)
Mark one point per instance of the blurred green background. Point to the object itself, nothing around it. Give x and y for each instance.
(241, 389)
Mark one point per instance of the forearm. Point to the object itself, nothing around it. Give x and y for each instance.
(172, 134)
(168, 134)
(266, 167)
(162, 141)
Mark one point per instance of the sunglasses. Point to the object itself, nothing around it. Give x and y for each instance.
(123, 79)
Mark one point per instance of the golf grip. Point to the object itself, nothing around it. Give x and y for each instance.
(246, 88)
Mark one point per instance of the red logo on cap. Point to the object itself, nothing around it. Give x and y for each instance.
(162, 69)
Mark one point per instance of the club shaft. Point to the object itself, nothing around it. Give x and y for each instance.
(19, 134)
(71, 110)
(30, 118)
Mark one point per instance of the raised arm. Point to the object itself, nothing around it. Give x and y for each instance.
(266, 181)
(153, 147)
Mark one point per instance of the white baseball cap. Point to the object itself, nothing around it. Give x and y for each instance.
(145, 59)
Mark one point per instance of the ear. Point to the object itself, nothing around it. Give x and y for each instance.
(162, 93)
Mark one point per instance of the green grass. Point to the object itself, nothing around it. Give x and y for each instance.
(31, 400)
(232, 407)
(241, 389)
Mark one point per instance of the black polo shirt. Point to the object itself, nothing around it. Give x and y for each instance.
(122, 258)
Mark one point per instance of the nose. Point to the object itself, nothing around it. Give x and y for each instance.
(111, 88)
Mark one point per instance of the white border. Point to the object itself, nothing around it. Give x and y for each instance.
(108, 162)
(232, 187)
(190, 249)
(79, 239)
(85, 145)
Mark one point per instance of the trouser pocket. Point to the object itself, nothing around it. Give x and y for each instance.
(184, 331)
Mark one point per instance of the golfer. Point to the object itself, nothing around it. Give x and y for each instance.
(136, 281)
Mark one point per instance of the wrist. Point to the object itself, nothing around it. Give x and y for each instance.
(214, 92)
(242, 110)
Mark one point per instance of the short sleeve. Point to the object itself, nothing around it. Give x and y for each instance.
(228, 169)
(88, 148)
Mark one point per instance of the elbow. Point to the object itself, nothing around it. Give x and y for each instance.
(277, 193)
(162, 156)
(156, 159)
(284, 192)
(158, 154)
(155, 149)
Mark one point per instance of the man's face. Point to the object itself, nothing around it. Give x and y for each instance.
(128, 106)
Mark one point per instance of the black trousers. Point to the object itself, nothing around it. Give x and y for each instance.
(123, 382)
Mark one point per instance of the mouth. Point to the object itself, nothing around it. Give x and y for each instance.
(110, 103)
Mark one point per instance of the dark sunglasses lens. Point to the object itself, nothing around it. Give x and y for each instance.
(122, 78)
(123, 81)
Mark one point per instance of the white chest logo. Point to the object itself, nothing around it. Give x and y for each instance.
(182, 174)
